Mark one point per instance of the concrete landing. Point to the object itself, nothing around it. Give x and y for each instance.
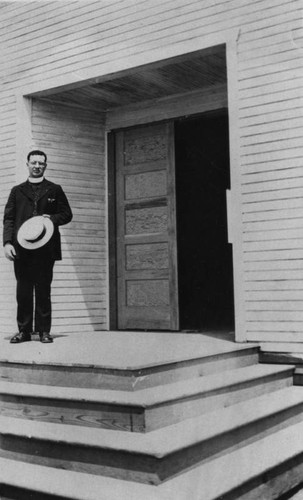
(119, 350)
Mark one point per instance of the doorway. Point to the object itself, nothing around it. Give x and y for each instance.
(205, 270)
(173, 260)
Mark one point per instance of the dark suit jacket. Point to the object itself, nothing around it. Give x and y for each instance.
(20, 207)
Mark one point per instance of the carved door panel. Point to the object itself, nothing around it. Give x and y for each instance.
(146, 228)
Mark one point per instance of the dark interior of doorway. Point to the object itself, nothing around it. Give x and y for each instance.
(205, 271)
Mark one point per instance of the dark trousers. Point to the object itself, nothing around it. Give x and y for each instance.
(34, 277)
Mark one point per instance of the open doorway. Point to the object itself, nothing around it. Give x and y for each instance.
(171, 252)
(205, 271)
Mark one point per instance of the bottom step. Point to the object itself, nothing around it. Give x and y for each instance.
(266, 470)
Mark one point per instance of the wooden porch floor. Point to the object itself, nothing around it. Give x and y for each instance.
(121, 350)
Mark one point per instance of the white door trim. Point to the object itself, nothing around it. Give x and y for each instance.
(234, 206)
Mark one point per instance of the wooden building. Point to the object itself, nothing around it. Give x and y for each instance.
(175, 128)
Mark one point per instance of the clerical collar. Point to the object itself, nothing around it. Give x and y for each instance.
(35, 180)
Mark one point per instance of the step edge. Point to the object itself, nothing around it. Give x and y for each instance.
(274, 454)
(158, 443)
(234, 349)
(71, 484)
(147, 397)
(237, 422)
(236, 379)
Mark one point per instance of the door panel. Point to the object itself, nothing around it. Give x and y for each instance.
(146, 228)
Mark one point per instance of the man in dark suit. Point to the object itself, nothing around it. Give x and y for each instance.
(34, 267)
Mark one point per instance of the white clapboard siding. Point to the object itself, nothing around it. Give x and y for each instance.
(7, 180)
(285, 265)
(74, 38)
(63, 133)
(279, 305)
(150, 17)
(271, 159)
(283, 177)
(293, 169)
(167, 25)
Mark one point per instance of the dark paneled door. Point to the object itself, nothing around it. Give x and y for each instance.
(147, 290)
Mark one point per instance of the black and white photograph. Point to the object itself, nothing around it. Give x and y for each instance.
(151, 272)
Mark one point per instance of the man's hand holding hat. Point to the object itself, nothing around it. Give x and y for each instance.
(35, 232)
(9, 249)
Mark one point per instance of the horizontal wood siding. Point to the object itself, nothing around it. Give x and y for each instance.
(271, 129)
(61, 43)
(7, 179)
(74, 143)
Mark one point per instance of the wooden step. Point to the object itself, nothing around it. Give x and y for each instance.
(144, 410)
(25, 481)
(157, 456)
(284, 353)
(265, 469)
(129, 378)
(281, 352)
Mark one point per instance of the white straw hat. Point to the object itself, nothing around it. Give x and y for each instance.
(35, 232)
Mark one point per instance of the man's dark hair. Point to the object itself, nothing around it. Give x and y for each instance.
(36, 152)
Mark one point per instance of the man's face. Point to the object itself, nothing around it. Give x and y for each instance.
(36, 166)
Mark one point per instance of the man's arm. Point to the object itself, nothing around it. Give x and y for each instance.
(64, 213)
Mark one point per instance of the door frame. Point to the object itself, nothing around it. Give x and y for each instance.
(112, 221)
(220, 97)
(112, 231)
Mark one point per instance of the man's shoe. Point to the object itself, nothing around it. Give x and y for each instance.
(20, 337)
(46, 338)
